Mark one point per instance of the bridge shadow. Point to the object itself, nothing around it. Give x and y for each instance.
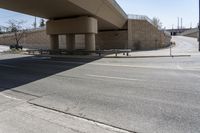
(20, 71)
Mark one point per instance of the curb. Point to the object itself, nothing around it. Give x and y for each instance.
(157, 56)
(99, 57)
(68, 56)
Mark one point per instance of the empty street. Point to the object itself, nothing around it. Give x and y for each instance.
(156, 95)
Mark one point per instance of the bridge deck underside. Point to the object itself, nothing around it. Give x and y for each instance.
(108, 13)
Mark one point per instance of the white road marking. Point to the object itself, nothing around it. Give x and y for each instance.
(185, 105)
(66, 62)
(13, 98)
(195, 75)
(179, 67)
(108, 77)
(175, 67)
(122, 65)
(4, 65)
(104, 64)
(41, 58)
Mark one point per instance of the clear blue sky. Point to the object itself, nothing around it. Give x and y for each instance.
(166, 10)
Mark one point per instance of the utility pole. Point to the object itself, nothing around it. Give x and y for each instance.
(199, 26)
(35, 23)
(181, 23)
(178, 24)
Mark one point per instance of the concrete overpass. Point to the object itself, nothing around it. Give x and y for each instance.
(175, 32)
(191, 33)
(72, 17)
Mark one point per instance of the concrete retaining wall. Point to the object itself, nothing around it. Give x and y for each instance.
(32, 39)
(38, 39)
(141, 35)
(112, 39)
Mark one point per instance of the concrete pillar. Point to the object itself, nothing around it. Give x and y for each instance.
(70, 41)
(54, 41)
(90, 42)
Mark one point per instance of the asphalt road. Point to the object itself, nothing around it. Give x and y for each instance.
(185, 44)
(144, 95)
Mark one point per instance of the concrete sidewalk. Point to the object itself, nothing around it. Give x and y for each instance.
(18, 116)
(4, 48)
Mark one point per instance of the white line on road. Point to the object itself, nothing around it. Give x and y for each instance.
(195, 75)
(66, 62)
(175, 67)
(104, 64)
(40, 58)
(13, 98)
(124, 65)
(179, 67)
(167, 102)
(4, 65)
(108, 77)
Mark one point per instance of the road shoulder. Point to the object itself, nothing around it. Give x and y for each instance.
(18, 116)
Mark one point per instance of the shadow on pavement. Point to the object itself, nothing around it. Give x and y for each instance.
(16, 72)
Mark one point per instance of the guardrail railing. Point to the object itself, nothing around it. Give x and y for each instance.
(77, 52)
(142, 17)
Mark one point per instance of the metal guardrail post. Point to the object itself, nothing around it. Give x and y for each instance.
(115, 52)
(170, 51)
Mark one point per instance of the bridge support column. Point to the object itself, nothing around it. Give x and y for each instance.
(70, 41)
(81, 25)
(90, 42)
(54, 42)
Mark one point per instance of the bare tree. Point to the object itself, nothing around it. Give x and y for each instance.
(42, 23)
(16, 27)
(156, 21)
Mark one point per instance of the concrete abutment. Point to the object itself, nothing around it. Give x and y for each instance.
(70, 27)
